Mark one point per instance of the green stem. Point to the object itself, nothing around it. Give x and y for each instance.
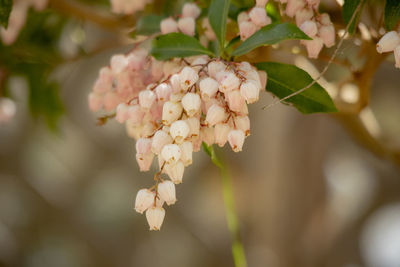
(239, 256)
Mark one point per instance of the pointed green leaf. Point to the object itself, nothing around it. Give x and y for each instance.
(177, 45)
(217, 15)
(5, 10)
(268, 35)
(284, 79)
(349, 8)
(392, 13)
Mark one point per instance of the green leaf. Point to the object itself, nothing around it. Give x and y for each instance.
(284, 79)
(268, 35)
(210, 152)
(349, 8)
(148, 25)
(177, 45)
(392, 13)
(5, 10)
(217, 15)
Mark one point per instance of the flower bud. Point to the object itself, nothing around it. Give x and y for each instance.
(397, 56)
(194, 126)
(144, 199)
(208, 88)
(247, 29)
(160, 139)
(147, 98)
(171, 153)
(207, 135)
(122, 113)
(179, 131)
(324, 19)
(314, 47)
(228, 81)
(235, 100)
(236, 140)
(303, 15)
(135, 114)
(215, 114)
(155, 217)
(163, 91)
(243, 123)
(168, 25)
(166, 189)
(191, 103)
(250, 91)
(175, 171)
(188, 77)
(388, 42)
(144, 161)
(243, 16)
(143, 145)
(293, 6)
(310, 28)
(118, 63)
(258, 16)
(187, 25)
(221, 131)
(95, 102)
(186, 153)
(191, 10)
(327, 34)
(175, 83)
(171, 112)
(111, 101)
(7, 109)
(214, 67)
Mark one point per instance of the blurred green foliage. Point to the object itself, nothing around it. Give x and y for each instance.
(5, 10)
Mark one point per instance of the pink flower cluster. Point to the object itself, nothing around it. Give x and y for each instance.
(390, 42)
(122, 81)
(186, 24)
(200, 100)
(18, 17)
(128, 7)
(317, 26)
(253, 20)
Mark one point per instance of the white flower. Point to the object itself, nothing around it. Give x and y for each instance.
(179, 131)
(171, 153)
(247, 29)
(144, 161)
(171, 112)
(314, 47)
(236, 140)
(310, 28)
(293, 6)
(243, 123)
(155, 217)
(147, 98)
(191, 103)
(160, 139)
(166, 189)
(168, 25)
(388, 42)
(228, 81)
(250, 91)
(214, 67)
(215, 114)
(235, 100)
(187, 78)
(327, 34)
(163, 91)
(187, 25)
(175, 171)
(258, 16)
(186, 153)
(143, 145)
(191, 10)
(7, 109)
(208, 88)
(221, 133)
(194, 126)
(144, 199)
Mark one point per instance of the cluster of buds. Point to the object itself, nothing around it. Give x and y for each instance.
(390, 42)
(253, 20)
(18, 17)
(205, 100)
(186, 23)
(7, 109)
(122, 81)
(128, 7)
(317, 26)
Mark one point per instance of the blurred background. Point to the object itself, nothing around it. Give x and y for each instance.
(315, 190)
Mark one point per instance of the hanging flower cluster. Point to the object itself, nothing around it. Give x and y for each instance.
(128, 7)
(18, 17)
(317, 26)
(390, 42)
(204, 101)
(253, 20)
